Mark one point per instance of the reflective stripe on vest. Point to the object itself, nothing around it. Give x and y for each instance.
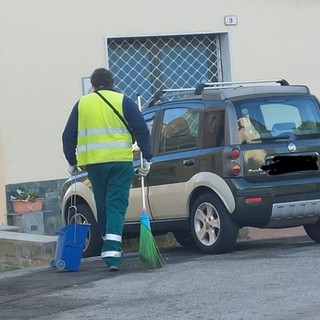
(101, 131)
(102, 137)
(97, 146)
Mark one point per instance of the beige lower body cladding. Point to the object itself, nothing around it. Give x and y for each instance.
(23, 250)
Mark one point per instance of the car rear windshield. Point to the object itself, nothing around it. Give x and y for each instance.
(274, 118)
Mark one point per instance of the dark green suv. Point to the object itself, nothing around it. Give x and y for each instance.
(226, 156)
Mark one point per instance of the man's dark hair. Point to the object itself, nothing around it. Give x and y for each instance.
(102, 78)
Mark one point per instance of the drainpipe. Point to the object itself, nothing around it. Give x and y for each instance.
(3, 198)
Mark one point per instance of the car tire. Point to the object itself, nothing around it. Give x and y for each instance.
(94, 241)
(184, 238)
(212, 227)
(313, 231)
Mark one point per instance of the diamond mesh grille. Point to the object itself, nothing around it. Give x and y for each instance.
(146, 64)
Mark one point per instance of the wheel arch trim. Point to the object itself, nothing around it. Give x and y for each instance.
(214, 183)
(81, 190)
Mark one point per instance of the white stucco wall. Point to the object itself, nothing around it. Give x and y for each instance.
(47, 46)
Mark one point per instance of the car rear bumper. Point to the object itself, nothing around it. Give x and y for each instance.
(278, 206)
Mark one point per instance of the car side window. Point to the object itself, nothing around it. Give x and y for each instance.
(180, 129)
(149, 118)
(268, 118)
(213, 133)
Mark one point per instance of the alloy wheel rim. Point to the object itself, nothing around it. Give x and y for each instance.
(207, 224)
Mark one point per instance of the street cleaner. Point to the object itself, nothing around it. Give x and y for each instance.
(98, 136)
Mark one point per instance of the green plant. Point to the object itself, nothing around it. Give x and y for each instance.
(24, 194)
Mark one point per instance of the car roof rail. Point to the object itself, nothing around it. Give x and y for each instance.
(167, 93)
(229, 84)
(156, 97)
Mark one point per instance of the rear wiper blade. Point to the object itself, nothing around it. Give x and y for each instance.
(284, 137)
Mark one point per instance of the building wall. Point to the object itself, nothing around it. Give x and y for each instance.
(47, 46)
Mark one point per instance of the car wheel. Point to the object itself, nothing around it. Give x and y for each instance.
(313, 231)
(184, 238)
(212, 227)
(94, 241)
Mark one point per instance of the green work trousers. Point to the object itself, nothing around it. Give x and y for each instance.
(111, 182)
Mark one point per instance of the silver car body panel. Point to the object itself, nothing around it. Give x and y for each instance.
(135, 205)
(173, 200)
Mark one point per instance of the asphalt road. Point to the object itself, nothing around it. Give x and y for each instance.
(266, 279)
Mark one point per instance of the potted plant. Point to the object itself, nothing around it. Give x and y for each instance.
(26, 200)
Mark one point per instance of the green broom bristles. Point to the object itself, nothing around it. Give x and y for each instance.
(148, 250)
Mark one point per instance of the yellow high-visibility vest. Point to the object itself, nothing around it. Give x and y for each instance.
(102, 137)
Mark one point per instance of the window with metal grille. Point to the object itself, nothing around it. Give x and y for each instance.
(145, 64)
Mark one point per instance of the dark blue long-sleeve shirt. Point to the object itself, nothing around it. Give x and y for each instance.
(131, 114)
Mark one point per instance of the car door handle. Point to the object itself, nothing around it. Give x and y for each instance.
(189, 162)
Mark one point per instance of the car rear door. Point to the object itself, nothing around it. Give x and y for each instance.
(176, 159)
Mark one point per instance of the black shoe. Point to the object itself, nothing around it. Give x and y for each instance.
(114, 268)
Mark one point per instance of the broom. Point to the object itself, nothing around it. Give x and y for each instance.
(148, 249)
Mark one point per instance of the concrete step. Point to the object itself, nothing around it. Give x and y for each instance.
(21, 250)
(9, 228)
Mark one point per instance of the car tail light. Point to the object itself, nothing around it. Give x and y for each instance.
(235, 153)
(236, 169)
(253, 200)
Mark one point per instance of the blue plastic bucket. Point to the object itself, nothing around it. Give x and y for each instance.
(70, 245)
